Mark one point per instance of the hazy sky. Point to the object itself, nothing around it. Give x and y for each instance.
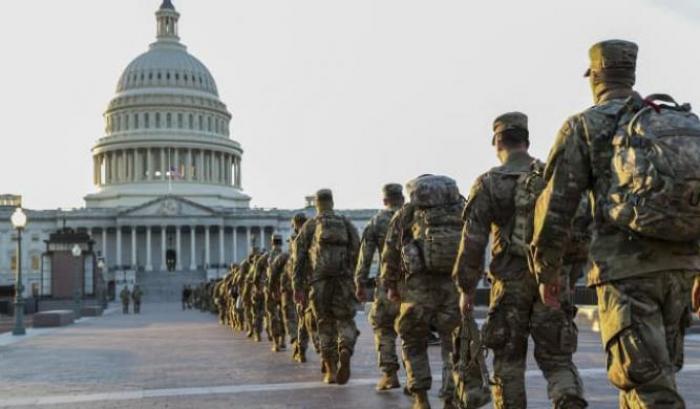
(327, 93)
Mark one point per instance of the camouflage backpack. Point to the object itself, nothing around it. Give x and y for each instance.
(655, 170)
(436, 225)
(329, 251)
(528, 188)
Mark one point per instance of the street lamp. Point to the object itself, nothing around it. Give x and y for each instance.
(103, 274)
(77, 252)
(19, 222)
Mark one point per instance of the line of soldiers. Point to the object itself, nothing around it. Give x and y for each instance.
(127, 296)
(595, 201)
(258, 295)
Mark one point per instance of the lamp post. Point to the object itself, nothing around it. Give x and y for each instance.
(103, 287)
(19, 222)
(77, 252)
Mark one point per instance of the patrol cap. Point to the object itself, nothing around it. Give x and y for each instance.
(324, 195)
(299, 218)
(508, 122)
(617, 56)
(277, 239)
(392, 191)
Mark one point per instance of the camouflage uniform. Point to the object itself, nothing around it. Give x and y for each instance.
(273, 296)
(331, 297)
(244, 282)
(125, 295)
(136, 295)
(426, 300)
(515, 309)
(643, 284)
(383, 314)
(256, 283)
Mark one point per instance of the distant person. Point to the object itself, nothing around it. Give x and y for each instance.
(136, 295)
(184, 296)
(125, 296)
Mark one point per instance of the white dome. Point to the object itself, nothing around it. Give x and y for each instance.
(167, 65)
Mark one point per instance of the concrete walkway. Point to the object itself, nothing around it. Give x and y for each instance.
(167, 358)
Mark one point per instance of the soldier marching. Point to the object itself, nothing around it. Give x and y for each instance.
(601, 199)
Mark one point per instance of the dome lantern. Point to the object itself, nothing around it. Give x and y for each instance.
(167, 18)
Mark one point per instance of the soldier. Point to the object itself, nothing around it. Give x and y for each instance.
(643, 282)
(125, 296)
(272, 297)
(245, 282)
(383, 313)
(306, 322)
(419, 252)
(501, 204)
(279, 284)
(329, 244)
(136, 295)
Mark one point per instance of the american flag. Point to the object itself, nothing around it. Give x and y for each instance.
(174, 173)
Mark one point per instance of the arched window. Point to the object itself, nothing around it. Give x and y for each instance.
(191, 121)
(150, 75)
(136, 121)
(147, 120)
(168, 120)
(119, 122)
(157, 119)
(179, 120)
(209, 124)
(201, 123)
(126, 122)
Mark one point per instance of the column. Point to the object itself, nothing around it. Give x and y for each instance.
(178, 242)
(134, 262)
(119, 246)
(235, 244)
(188, 171)
(163, 244)
(122, 166)
(149, 260)
(200, 167)
(207, 253)
(163, 165)
(114, 177)
(193, 247)
(104, 244)
(95, 166)
(139, 165)
(222, 258)
(149, 164)
(247, 240)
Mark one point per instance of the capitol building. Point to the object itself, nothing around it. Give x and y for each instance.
(169, 206)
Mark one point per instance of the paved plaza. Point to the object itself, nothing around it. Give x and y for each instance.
(167, 358)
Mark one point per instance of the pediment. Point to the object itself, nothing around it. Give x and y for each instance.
(169, 206)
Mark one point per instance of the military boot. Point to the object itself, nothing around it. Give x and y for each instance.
(390, 380)
(570, 402)
(420, 400)
(301, 355)
(449, 404)
(343, 374)
(329, 370)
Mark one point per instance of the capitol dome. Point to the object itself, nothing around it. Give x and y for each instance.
(167, 131)
(170, 66)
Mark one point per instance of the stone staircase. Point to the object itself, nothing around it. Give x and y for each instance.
(166, 286)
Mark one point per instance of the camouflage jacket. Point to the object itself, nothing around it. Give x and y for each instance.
(578, 162)
(490, 211)
(259, 278)
(301, 269)
(276, 273)
(373, 238)
(245, 271)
